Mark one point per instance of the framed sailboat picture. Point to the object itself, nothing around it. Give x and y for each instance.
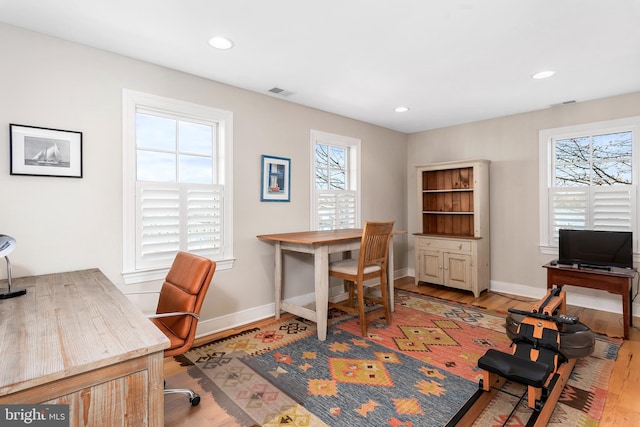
(45, 152)
(276, 178)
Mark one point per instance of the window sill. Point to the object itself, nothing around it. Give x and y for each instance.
(133, 277)
(549, 250)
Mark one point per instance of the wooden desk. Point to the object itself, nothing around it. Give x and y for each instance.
(320, 244)
(617, 281)
(75, 339)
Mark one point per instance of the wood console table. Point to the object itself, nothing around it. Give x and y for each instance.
(75, 339)
(617, 281)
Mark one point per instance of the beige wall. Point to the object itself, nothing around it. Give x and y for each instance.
(511, 144)
(64, 224)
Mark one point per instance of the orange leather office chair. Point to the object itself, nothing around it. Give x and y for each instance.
(371, 263)
(179, 305)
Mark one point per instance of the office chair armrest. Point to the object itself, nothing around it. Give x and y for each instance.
(176, 313)
(158, 315)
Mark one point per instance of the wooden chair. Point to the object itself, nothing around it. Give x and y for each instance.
(371, 264)
(179, 305)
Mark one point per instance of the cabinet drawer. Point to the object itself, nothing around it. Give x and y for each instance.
(453, 245)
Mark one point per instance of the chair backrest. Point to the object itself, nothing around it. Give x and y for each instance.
(374, 246)
(184, 290)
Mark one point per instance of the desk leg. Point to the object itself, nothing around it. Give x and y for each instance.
(630, 302)
(321, 282)
(613, 288)
(278, 278)
(390, 277)
(626, 310)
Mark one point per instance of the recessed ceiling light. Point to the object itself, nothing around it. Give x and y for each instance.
(543, 74)
(401, 109)
(220, 43)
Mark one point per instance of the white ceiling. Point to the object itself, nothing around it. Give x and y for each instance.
(450, 61)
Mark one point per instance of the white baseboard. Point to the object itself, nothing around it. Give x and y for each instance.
(240, 318)
(233, 320)
(581, 297)
(587, 298)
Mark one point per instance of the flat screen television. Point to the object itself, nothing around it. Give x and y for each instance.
(596, 248)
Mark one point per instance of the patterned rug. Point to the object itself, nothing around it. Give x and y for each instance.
(416, 372)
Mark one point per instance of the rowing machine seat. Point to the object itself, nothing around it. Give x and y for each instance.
(515, 368)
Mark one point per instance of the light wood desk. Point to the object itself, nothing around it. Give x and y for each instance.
(75, 339)
(616, 281)
(320, 244)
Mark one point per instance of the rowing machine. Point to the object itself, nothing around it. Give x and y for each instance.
(546, 343)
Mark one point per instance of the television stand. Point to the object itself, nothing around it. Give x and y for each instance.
(594, 267)
(615, 281)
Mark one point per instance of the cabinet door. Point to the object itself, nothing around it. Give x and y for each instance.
(431, 267)
(457, 271)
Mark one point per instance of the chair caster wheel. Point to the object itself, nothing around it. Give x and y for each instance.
(195, 400)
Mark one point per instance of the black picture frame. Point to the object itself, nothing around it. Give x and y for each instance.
(39, 151)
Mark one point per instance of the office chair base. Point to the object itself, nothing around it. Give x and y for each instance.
(194, 398)
(12, 294)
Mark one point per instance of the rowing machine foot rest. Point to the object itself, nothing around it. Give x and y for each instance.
(515, 369)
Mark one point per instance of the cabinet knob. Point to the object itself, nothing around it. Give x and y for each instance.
(460, 246)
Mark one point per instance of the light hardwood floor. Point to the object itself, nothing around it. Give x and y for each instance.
(622, 407)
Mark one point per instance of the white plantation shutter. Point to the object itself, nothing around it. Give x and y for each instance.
(204, 220)
(613, 208)
(569, 209)
(161, 230)
(594, 208)
(336, 209)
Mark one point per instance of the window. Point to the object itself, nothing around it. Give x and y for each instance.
(589, 179)
(335, 181)
(176, 185)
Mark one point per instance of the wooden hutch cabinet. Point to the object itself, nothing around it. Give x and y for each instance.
(452, 247)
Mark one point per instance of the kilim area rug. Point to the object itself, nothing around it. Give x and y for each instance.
(416, 372)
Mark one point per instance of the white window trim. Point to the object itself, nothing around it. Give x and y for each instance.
(546, 160)
(320, 137)
(130, 100)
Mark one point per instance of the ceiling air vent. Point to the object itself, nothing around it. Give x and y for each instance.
(280, 92)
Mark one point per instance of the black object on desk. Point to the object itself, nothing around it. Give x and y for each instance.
(7, 245)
